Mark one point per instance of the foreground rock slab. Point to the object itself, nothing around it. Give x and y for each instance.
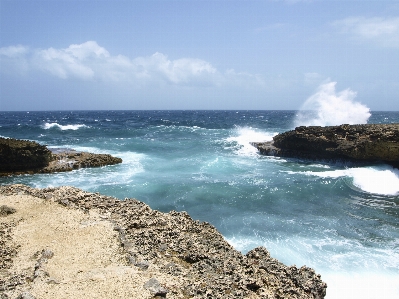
(133, 252)
(367, 143)
(28, 157)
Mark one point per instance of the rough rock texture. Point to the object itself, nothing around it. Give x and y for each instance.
(21, 156)
(195, 253)
(370, 142)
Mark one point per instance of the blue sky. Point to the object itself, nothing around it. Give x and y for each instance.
(58, 55)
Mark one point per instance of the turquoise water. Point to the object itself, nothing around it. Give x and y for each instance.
(341, 219)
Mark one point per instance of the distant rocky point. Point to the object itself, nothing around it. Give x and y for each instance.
(23, 156)
(365, 143)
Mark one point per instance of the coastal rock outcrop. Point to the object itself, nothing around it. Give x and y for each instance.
(23, 156)
(369, 142)
(194, 254)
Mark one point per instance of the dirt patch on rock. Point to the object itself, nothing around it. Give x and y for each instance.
(56, 252)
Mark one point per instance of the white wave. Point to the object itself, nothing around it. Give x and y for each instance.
(243, 136)
(361, 285)
(243, 244)
(383, 180)
(368, 279)
(328, 108)
(47, 126)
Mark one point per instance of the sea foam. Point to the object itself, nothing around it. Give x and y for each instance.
(243, 136)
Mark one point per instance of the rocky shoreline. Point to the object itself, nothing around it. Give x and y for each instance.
(166, 254)
(356, 143)
(29, 157)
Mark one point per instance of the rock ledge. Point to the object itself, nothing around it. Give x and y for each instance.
(366, 143)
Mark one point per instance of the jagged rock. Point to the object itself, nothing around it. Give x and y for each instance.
(155, 288)
(192, 250)
(22, 155)
(370, 142)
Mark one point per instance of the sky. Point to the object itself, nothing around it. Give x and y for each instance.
(196, 54)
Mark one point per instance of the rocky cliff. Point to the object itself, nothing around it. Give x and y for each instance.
(22, 156)
(370, 142)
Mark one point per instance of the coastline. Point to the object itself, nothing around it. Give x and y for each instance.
(92, 245)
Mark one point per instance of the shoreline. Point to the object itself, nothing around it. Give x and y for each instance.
(154, 254)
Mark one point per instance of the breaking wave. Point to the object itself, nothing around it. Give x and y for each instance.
(47, 126)
(328, 108)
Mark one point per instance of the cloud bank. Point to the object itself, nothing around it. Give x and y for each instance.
(91, 62)
(381, 31)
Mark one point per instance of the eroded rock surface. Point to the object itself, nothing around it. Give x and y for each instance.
(195, 253)
(370, 142)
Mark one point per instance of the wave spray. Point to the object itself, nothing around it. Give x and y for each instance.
(328, 108)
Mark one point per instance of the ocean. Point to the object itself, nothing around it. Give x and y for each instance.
(340, 219)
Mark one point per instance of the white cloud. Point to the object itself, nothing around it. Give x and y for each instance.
(180, 71)
(13, 59)
(87, 49)
(89, 61)
(14, 51)
(62, 63)
(382, 31)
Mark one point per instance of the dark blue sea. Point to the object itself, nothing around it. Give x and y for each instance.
(340, 219)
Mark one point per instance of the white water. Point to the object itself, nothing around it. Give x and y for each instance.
(328, 108)
(382, 180)
(47, 126)
(243, 136)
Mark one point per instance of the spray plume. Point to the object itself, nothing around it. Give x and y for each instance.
(328, 108)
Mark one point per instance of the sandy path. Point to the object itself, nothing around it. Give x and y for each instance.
(87, 260)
